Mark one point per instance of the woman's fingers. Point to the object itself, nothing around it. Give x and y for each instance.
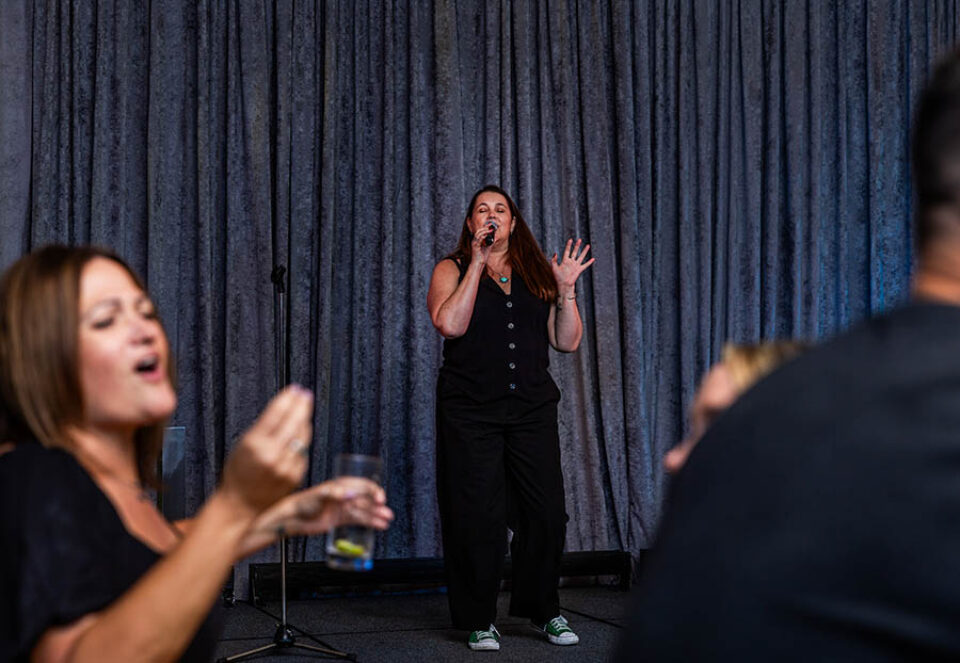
(295, 435)
(295, 429)
(479, 244)
(277, 410)
(568, 271)
(482, 232)
(571, 251)
(294, 461)
(283, 433)
(271, 458)
(342, 501)
(363, 512)
(576, 254)
(349, 488)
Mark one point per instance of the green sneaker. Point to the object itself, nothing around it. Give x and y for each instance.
(558, 631)
(488, 640)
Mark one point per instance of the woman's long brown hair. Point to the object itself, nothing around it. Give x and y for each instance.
(524, 254)
(40, 392)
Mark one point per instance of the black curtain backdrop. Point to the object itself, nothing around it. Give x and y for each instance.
(740, 168)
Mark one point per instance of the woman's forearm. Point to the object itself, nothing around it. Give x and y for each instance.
(568, 328)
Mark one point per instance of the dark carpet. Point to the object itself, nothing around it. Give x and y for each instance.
(415, 627)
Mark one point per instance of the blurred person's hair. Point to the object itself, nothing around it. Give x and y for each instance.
(748, 363)
(40, 391)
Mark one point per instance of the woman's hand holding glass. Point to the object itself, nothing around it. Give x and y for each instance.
(319, 509)
(340, 501)
(269, 463)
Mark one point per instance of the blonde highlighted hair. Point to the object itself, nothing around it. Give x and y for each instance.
(748, 363)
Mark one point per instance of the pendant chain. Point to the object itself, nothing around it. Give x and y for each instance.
(500, 275)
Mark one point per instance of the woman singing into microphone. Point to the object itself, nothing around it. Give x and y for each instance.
(498, 302)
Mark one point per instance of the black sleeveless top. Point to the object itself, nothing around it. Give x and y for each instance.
(505, 350)
(64, 552)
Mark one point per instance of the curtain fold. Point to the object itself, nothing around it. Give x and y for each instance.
(741, 170)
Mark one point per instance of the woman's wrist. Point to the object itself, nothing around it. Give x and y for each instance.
(230, 510)
(277, 521)
(222, 518)
(566, 297)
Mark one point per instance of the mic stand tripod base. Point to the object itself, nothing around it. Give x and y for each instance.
(285, 639)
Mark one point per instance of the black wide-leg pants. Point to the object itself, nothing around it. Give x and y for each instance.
(498, 465)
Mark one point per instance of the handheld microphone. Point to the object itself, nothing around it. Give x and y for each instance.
(488, 240)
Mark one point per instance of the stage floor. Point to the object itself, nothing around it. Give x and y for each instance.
(415, 628)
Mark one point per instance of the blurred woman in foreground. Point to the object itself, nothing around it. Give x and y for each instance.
(89, 568)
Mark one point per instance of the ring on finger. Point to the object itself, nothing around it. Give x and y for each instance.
(299, 446)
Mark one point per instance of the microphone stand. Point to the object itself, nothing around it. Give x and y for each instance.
(283, 637)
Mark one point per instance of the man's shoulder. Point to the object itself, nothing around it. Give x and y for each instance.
(912, 351)
(909, 343)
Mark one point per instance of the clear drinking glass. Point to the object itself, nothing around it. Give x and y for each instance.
(350, 547)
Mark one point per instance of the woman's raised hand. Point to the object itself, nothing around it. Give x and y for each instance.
(569, 268)
(271, 458)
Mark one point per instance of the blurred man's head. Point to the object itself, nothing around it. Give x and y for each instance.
(936, 160)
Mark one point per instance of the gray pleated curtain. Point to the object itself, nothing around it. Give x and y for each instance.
(740, 169)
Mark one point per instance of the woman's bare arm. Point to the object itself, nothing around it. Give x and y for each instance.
(158, 616)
